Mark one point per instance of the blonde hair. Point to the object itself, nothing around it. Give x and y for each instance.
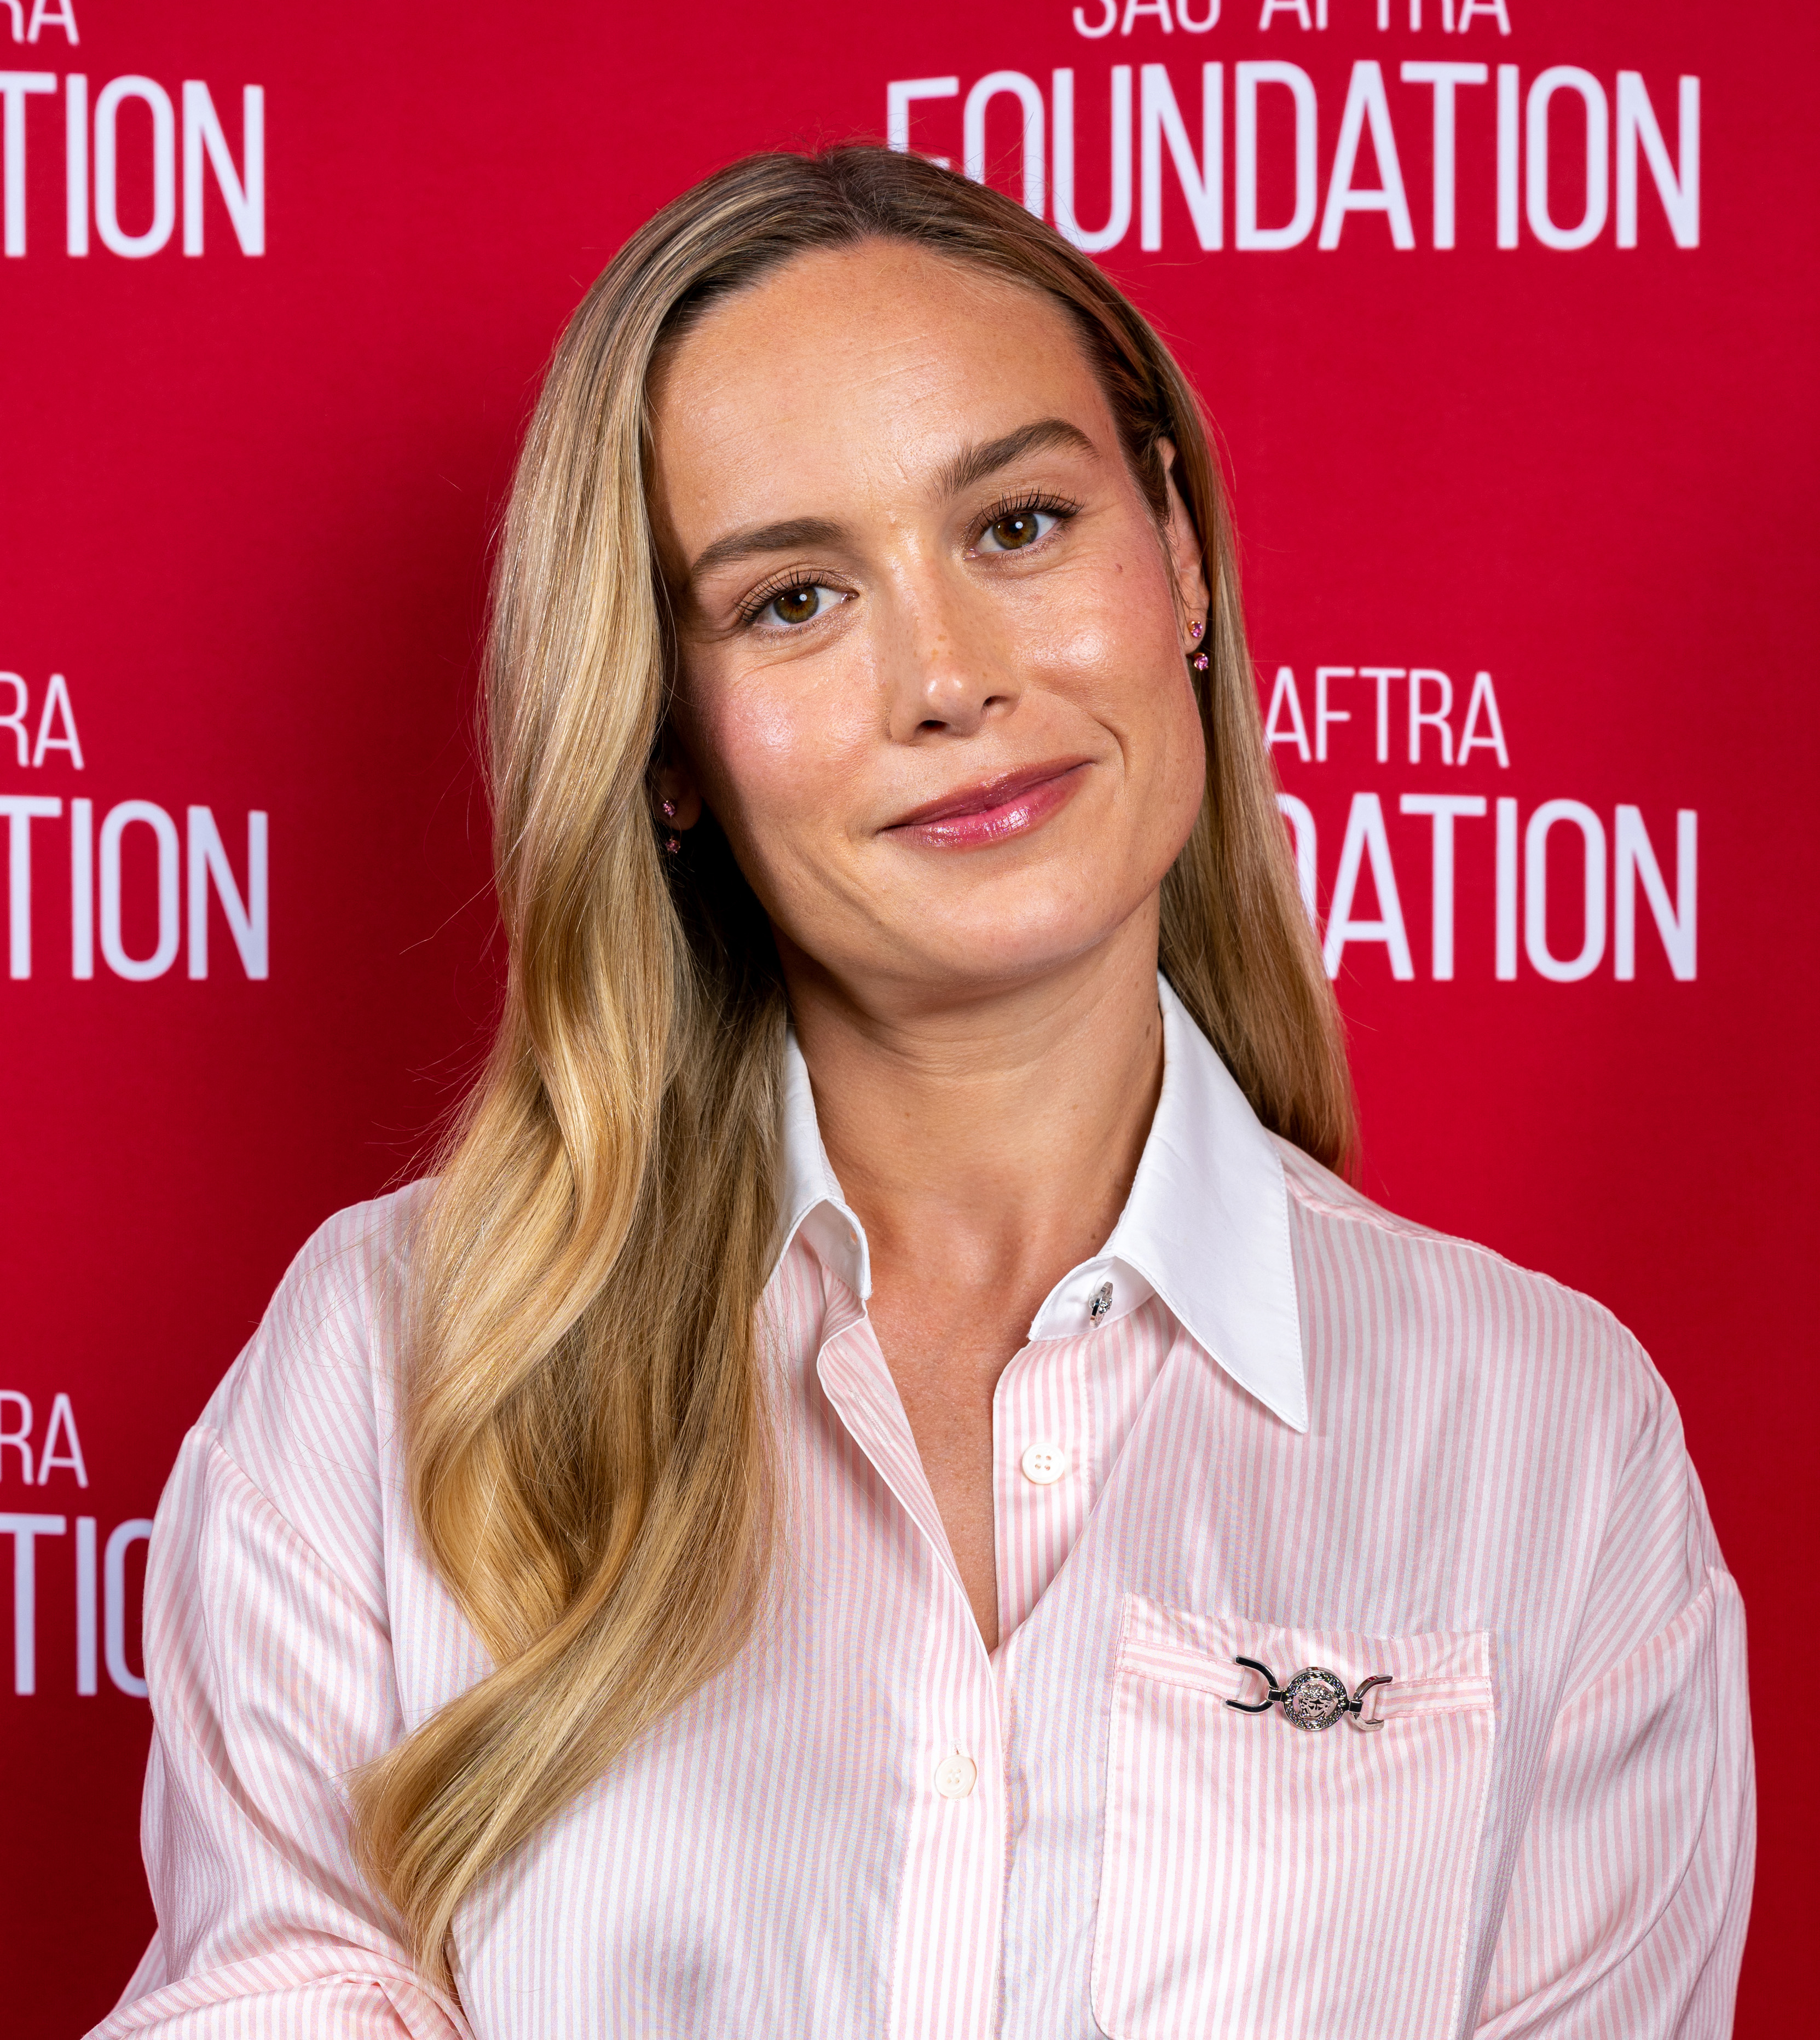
(586, 1424)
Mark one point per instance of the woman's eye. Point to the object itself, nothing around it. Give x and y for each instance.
(1015, 530)
(800, 604)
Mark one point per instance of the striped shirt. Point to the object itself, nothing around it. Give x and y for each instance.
(1268, 1422)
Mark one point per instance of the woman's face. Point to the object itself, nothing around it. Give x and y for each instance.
(933, 648)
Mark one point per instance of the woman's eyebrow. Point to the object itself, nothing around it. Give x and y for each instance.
(975, 463)
(790, 535)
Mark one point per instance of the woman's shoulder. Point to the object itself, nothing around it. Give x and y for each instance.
(1480, 1308)
(339, 1309)
(306, 1414)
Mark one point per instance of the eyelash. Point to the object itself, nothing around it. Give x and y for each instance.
(761, 598)
(1020, 504)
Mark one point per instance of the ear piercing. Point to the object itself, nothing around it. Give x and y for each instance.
(667, 809)
(1199, 661)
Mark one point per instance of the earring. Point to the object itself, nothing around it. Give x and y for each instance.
(672, 844)
(1199, 662)
(1195, 629)
(667, 809)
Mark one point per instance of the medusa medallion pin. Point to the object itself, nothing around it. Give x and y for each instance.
(1314, 1700)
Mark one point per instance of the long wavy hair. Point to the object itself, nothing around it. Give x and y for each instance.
(586, 1433)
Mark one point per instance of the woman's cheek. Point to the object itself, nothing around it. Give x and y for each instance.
(783, 750)
(1109, 629)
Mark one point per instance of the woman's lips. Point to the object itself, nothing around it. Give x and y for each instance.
(1002, 808)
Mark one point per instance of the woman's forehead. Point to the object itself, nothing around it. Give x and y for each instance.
(836, 295)
(880, 355)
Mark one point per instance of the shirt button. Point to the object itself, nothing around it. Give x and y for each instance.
(1043, 1462)
(955, 1775)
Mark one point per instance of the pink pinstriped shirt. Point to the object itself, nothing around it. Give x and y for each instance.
(1297, 1430)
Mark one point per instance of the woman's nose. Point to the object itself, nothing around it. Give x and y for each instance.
(948, 676)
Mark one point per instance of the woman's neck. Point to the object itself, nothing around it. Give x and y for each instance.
(989, 1138)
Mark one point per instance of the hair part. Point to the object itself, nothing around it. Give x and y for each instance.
(588, 1437)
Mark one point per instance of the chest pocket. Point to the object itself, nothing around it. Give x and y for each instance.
(1264, 1882)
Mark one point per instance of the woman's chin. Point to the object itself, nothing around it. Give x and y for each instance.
(965, 959)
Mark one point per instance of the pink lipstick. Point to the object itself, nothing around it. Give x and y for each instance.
(998, 809)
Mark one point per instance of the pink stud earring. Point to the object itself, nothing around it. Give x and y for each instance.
(672, 843)
(1199, 662)
(1195, 629)
(667, 809)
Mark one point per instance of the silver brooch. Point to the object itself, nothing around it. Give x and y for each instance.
(1102, 1303)
(1314, 1699)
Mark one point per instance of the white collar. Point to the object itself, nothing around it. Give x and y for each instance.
(1205, 1227)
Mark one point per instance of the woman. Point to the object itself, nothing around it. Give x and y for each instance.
(885, 1487)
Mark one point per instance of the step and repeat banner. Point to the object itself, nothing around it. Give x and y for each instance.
(1504, 310)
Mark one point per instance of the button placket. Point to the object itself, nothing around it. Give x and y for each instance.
(1042, 1468)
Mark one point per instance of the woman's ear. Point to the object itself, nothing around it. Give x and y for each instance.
(1184, 547)
(675, 792)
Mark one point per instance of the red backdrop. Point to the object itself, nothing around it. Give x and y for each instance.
(266, 356)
